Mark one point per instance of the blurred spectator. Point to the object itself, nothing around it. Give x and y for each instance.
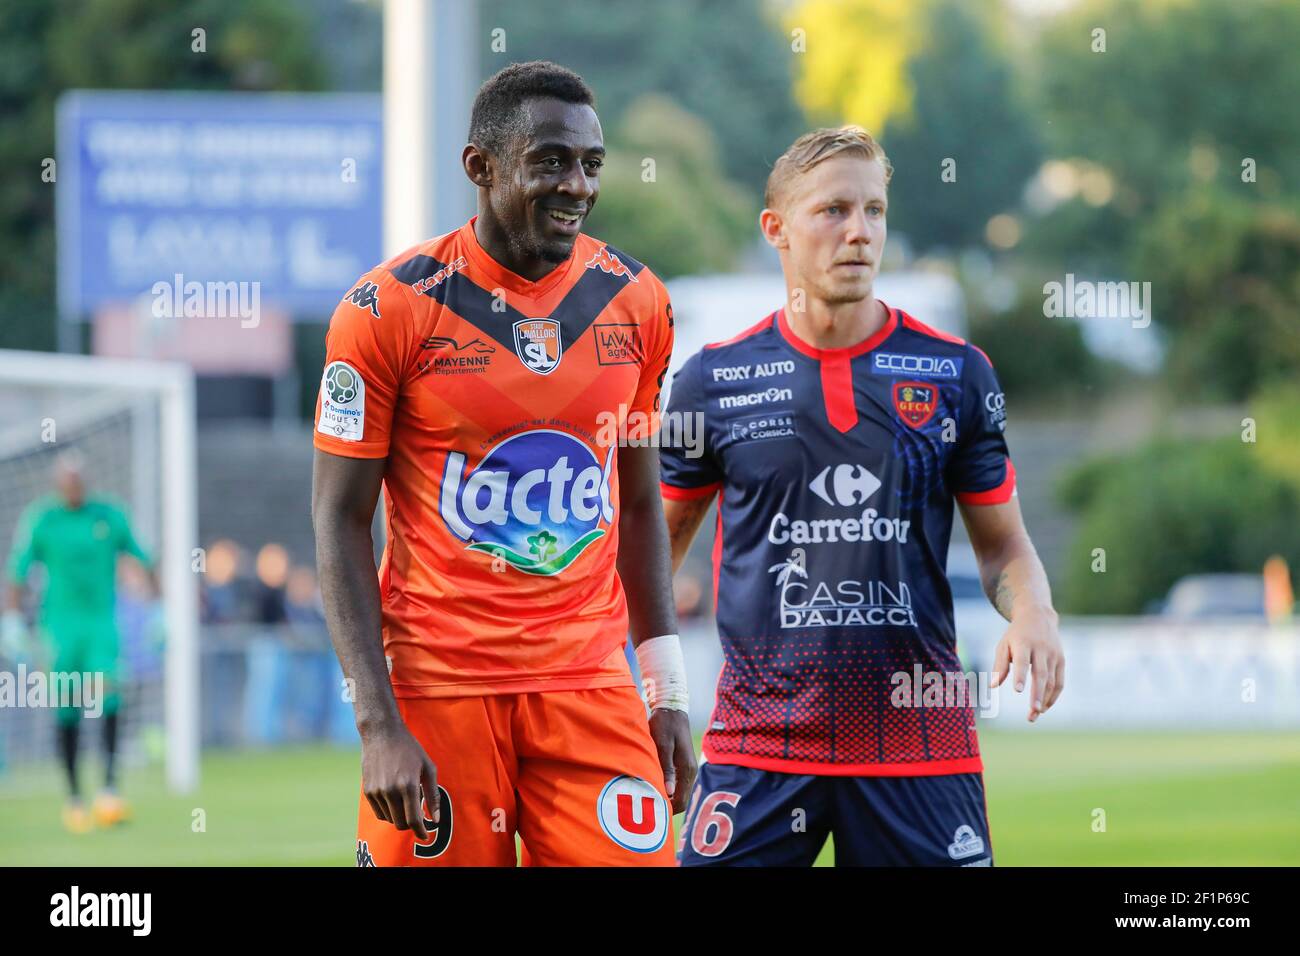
(272, 574)
(688, 594)
(222, 596)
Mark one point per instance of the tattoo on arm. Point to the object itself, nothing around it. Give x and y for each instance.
(1000, 593)
(686, 519)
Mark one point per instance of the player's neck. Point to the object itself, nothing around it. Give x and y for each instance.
(494, 241)
(836, 325)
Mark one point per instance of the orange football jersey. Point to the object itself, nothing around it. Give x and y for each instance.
(499, 404)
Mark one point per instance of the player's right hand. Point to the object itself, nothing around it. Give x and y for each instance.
(394, 767)
(13, 636)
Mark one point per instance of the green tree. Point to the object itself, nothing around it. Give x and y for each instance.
(1225, 282)
(1170, 509)
(664, 197)
(48, 47)
(1037, 357)
(722, 61)
(964, 108)
(1183, 92)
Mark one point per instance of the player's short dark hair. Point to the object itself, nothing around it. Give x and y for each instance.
(497, 115)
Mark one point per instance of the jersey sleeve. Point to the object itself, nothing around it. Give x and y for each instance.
(126, 539)
(24, 550)
(657, 335)
(366, 349)
(687, 467)
(980, 471)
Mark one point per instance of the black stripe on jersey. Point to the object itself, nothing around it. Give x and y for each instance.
(576, 311)
(416, 268)
(585, 301)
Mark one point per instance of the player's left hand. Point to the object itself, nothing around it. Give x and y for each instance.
(671, 730)
(1032, 642)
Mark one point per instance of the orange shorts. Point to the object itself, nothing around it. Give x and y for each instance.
(574, 773)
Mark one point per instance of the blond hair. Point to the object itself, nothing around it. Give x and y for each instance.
(817, 147)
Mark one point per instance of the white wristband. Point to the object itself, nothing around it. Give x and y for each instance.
(663, 673)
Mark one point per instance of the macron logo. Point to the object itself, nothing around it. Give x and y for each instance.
(102, 909)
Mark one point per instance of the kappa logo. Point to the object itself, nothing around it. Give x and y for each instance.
(429, 283)
(538, 344)
(365, 296)
(618, 344)
(364, 856)
(606, 261)
(915, 402)
(965, 842)
(633, 814)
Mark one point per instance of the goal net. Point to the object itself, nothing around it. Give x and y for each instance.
(132, 426)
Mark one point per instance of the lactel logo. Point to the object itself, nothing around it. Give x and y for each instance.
(926, 366)
(537, 500)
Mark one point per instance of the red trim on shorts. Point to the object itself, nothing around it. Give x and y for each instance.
(916, 768)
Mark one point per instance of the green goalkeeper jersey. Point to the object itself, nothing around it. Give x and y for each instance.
(79, 549)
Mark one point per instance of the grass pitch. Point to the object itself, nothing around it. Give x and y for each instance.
(1164, 799)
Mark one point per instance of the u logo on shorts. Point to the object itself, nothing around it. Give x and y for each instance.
(633, 814)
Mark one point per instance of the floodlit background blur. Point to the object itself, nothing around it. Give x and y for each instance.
(1104, 196)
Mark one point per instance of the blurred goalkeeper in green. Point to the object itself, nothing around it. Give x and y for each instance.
(77, 538)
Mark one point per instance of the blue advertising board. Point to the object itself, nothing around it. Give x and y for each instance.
(281, 189)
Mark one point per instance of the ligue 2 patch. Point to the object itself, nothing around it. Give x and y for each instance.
(915, 402)
(342, 403)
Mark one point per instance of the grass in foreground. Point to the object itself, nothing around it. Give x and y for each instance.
(1168, 799)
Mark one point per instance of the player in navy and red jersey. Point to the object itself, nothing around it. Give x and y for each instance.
(837, 433)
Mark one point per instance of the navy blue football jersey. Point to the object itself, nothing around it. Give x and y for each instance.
(835, 472)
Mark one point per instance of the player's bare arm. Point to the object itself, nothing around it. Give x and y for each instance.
(644, 568)
(393, 764)
(683, 519)
(1016, 584)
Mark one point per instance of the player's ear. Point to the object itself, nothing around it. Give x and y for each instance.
(478, 167)
(773, 228)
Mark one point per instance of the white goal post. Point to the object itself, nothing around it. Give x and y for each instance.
(134, 422)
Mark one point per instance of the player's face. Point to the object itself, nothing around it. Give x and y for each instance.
(71, 487)
(833, 225)
(549, 179)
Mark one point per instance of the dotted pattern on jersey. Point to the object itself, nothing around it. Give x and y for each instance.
(800, 697)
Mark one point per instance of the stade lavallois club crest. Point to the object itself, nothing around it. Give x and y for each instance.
(538, 344)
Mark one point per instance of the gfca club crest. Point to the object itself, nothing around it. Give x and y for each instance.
(538, 345)
(915, 402)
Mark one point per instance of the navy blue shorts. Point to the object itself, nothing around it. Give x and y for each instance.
(739, 816)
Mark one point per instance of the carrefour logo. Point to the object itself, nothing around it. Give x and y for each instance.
(536, 500)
